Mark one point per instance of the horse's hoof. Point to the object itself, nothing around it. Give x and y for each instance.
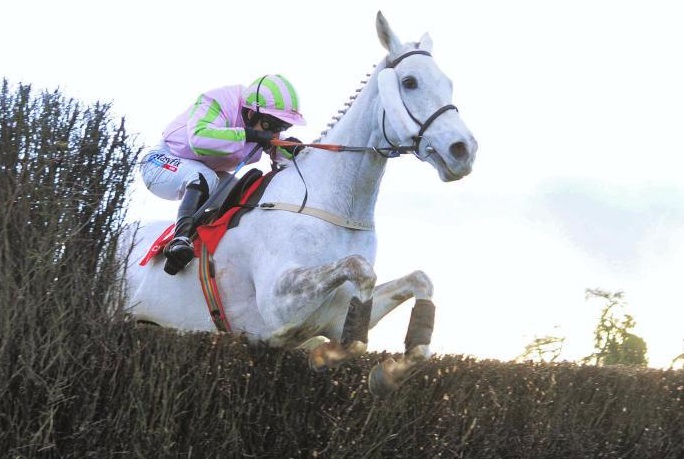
(317, 362)
(381, 381)
(357, 348)
(327, 355)
(312, 343)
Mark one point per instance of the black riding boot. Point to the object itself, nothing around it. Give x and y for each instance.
(179, 252)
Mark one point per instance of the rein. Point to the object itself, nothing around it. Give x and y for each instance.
(393, 150)
(387, 152)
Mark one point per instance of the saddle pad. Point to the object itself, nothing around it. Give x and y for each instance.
(211, 233)
(159, 244)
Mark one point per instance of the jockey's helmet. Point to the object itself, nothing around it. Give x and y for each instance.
(274, 95)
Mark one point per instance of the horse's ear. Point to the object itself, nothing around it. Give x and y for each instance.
(387, 38)
(425, 42)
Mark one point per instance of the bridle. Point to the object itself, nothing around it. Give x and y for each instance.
(396, 150)
(393, 150)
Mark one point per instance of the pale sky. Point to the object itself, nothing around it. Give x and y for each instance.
(578, 108)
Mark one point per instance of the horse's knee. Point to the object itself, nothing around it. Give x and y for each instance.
(361, 271)
(421, 285)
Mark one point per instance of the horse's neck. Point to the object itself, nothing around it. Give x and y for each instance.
(348, 182)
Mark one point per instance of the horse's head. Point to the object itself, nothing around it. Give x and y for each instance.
(416, 99)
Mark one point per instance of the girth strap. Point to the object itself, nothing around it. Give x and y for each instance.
(210, 290)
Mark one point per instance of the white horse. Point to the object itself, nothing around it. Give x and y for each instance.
(287, 277)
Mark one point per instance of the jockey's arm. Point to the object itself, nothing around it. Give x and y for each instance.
(211, 132)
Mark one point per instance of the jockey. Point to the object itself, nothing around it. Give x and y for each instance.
(205, 143)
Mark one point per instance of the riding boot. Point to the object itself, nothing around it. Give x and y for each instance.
(179, 251)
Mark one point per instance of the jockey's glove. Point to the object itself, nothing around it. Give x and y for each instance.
(263, 138)
(291, 151)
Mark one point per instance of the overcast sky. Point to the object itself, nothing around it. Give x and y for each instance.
(577, 107)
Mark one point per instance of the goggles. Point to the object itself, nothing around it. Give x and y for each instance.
(271, 123)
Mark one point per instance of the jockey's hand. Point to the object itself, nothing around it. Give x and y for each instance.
(291, 151)
(263, 138)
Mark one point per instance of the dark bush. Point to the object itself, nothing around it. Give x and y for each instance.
(77, 381)
(65, 171)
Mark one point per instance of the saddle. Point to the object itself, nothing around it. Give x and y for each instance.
(242, 198)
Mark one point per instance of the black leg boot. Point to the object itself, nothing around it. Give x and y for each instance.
(179, 252)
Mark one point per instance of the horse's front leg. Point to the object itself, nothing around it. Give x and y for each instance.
(388, 375)
(301, 291)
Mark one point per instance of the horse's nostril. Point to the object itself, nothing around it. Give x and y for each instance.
(458, 150)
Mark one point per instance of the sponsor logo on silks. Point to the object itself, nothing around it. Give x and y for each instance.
(167, 162)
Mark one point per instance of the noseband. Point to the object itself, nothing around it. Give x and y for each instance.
(415, 148)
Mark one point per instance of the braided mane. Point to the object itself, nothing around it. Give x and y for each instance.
(352, 98)
(347, 106)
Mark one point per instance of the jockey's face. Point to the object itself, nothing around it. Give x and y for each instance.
(271, 123)
(267, 122)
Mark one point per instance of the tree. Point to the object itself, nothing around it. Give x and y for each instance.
(543, 349)
(678, 361)
(614, 343)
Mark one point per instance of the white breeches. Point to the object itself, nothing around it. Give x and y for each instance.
(167, 176)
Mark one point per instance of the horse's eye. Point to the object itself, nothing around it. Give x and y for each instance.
(409, 82)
